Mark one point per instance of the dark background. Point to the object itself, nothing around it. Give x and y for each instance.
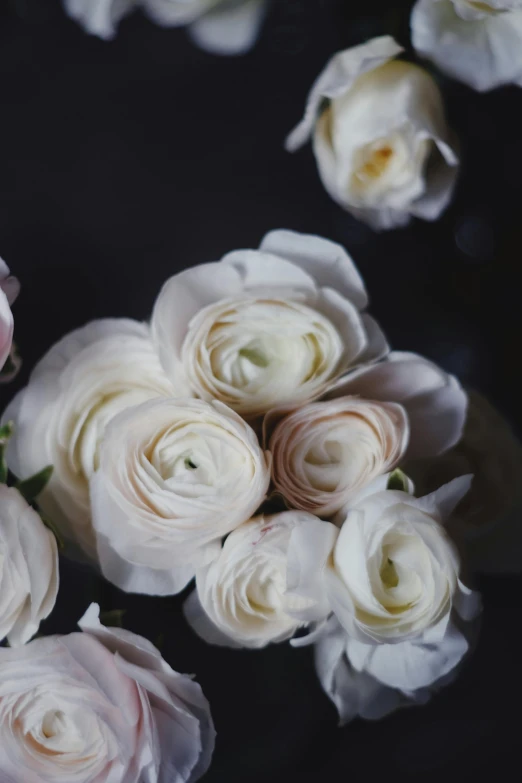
(124, 162)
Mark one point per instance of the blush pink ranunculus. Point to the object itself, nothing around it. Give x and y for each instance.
(100, 706)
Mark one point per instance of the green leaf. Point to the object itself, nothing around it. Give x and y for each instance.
(113, 618)
(31, 487)
(6, 430)
(398, 481)
(54, 530)
(159, 641)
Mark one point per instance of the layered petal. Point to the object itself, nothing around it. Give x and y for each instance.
(434, 401)
(28, 569)
(174, 477)
(242, 598)
(260, 329)
(100, 706)
(60, 418)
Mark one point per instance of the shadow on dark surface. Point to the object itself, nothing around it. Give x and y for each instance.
(122, 163)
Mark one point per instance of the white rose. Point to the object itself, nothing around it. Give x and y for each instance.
(175, 476)
(99, 17)
(59, 419)
(486, 522)
(393, 574)
(380, 137)
(267, 327)
(371, 681)
(325, 452)
(240, 598)
(28, 568)
(100, 706)
(219, 26)
(479, 43)
(9, 288)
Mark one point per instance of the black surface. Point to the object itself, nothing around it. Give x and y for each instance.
(123, 162)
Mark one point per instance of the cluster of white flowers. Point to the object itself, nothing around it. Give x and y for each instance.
(259, 436)
(253, 436)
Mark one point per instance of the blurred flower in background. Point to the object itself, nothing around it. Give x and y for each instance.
(479, 43)
(218, 26)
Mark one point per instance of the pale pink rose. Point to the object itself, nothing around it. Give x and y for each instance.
(325, 452)
(100, 706)
(9, 288)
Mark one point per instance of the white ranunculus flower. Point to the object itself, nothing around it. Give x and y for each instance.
(479, 43)
(100, 706)
(175, 476)
(268, 327)
(380, 138)
(218, 26)
(325, 452)
(28, 568)
(487, 522)
(371, 681)
(9, 288)
(60, 418)
(393, 574)
(240, 598)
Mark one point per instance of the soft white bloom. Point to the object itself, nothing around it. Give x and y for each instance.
(325, 452)
(219, 26)
(240, 598)
(60, 418)
(371, 681)
(175, 476)
(100, 706)
(380, 138)
(9, 288)
(487, 522)
(28, 569)
(393, 573)
(268, 327)
(479, 43)
(99, 17)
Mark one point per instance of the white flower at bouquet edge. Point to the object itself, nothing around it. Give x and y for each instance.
(9, 289)
(60, 417)
(240, 598)
(372, 681)
(478, 43)
(268, 327)
(392, 572)
(104, 704)
(28, 568)
(174, 477)
(227, 27)
(380, 138)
